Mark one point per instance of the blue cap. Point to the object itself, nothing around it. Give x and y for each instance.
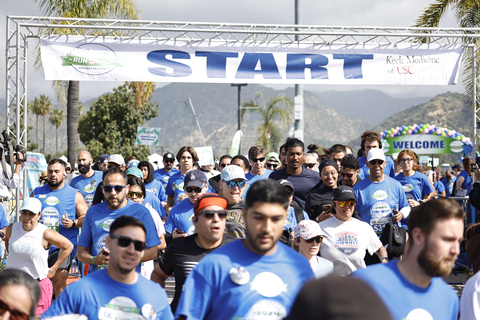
(105, 156)
(194, 178)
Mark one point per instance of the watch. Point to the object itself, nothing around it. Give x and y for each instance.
(74, 224)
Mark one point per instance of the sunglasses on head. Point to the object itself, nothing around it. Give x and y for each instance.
(222, 214)
(346, 175)
(318, 239)
(350, 203)
(131, 194)
(272, 165)
(258, 159)
(192, 189)
(231, 184)
(125, 242)
(108, 189)
(377, 161)
(310, 165)
(14, 314)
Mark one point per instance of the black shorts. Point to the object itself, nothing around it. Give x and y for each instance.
(52, 258)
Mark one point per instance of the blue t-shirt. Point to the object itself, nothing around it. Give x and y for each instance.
(251, 178)
(175, 187)
(156, 188)
(163, 176)
(404, 299)
(180, 218)
(375, 201)
(234, 283)
(291, 221)
(100, 297)
(467, 181)
(439, 187)
(416, 187)
(449, 185)
(87, 186)
(55, 203)
(389, 169)
(96, 227)
(155, 203)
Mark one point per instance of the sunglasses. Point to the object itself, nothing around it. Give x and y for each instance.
(258, 159)
(125, 242)
(192, 189)
(310, 165)
(231, 184)
(289, 192)
(379, 162)
(272, 165)
(223, 165)
(318, 239)
(109, 189)
(14, 314)
(222, 214)
(346, 175)
(350, 203)
(131, 194)
(169, 161)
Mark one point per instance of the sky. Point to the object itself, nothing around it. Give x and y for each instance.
(380, 13)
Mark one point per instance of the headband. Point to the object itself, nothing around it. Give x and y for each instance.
(209, 199)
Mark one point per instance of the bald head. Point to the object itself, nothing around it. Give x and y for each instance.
(85, 162)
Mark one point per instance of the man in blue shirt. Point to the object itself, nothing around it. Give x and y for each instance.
(118, 292)
(163, 175)
(412, 288)
(88, 179)
(372, 140)
(449, 183)
(257, 157)
(248, 277)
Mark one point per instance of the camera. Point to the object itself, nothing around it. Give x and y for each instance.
(7, 146)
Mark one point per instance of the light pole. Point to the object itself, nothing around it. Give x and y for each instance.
(239, 86)
(298, 100)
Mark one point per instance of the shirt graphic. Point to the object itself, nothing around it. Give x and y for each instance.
(346, 242)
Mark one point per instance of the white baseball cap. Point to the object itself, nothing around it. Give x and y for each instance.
(116, 158)
(32, 204)
(375, 153)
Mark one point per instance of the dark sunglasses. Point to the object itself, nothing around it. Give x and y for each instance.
(109, 189)
(272, 165)
(258, 159)
(131, 194)
(350, 203)
(169, 161)
(231, 184)
(191, 189)
(223, 165)
(318, 239)
(289, 191)
(125, 242)
(14, 314)
(310, 165)
(379, 162)
(222, 214)
(346, 175)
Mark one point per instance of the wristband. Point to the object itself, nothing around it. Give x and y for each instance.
(74, 224)
(384, 258)
(93, 260)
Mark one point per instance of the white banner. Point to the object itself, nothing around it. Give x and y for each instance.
(107, 59)
(148, 136)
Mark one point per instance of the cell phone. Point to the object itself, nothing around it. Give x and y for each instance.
(326, 207)
(474, 167)
(179, 231)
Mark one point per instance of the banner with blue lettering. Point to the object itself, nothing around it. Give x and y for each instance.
(423, 144)
(108, 59)
(36, 163)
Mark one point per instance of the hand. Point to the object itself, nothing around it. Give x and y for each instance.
(51, 272)
(164, 204)
(397, 217)
(176, 234)
(18, 158)
(290, 238)
(384, 260)
(413, 203)
(103, 257)
(66, 222)
(325, 215)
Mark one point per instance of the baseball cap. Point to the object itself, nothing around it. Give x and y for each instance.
(286, 183)
(32, 204)
(342, 193)
(133, 163)
(135, 171)
(209, 199)
(230, 173)
(116, 158)
(375, 154)
(68, 165)
(194, 178)
(308, 229)
(104, 157)
(43, 175)
(458, 167)
(273, 155)
(168, 156)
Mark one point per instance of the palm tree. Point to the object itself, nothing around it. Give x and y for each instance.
(34, 107)
(56, 119)
(69, 91)
(45, 105)
(269, 135)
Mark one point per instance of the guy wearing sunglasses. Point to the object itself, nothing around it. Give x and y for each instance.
(378, 195)
(91, 244)
(251, 277)
(350, 167)
(117, 292)
(179, 222)
(273, 161)
(214, 182)
(373, 140)
(183, 254)
(257, 157)
(164, 174)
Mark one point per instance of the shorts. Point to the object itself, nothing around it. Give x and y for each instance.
(52, 258)
(46, 293)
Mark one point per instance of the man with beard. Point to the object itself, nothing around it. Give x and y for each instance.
(164, 174)
(91, 244)
(88, 179)
(117, 292)
(251, 276)
(412, 288)
(63, 210)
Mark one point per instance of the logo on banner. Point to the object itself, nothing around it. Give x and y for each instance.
(92, 59)
(346, 242)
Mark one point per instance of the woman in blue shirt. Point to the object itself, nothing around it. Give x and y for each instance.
(465, 179)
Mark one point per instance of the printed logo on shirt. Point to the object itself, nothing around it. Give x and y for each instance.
(165, 179)
(91, 187)
(191, 230)
(380, 195)
(51, 201)
(123, 308)
(408, 188)
(346, 242)
(266, 309)
(105, 225)
(235, 216)
(50, 218)
(380, 216)
(178, 187)
(89, 199)
(101, 242)
(419, 314)
(268, 284)
(153, 190)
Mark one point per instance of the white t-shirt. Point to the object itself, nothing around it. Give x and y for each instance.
(148, 266)
(345, 244)
(470, 301)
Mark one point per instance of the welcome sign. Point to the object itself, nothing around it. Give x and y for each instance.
(422, 144)
(107, 59)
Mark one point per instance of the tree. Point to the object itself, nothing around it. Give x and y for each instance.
(56, 119)
(69, 91)
(110, 126)
(269, 135)
(45, 106)
(34, 107)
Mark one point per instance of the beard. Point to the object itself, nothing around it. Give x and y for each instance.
(433, 265)
(54, 185)
(84, 168)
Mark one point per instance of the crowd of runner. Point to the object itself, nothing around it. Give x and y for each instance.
(288, 235)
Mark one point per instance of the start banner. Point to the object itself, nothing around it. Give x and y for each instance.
(113, 59)
(423, 144)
